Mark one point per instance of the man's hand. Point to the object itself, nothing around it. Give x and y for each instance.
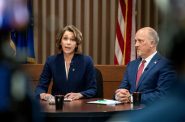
(122, 95)
(73, 96)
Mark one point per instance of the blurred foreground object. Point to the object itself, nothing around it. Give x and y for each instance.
(13, 14)
(17, 103)
(24, 38)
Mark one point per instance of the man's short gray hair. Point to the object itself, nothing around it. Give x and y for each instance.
(153, 34)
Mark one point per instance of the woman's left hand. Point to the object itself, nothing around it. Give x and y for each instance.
(73, 96)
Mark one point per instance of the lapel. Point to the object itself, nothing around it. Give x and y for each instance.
(73, 67)
(151, 64)
(60, 66)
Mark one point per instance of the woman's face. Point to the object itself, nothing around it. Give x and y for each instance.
(68, 43)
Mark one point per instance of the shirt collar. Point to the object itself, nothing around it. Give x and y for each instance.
(149, 58)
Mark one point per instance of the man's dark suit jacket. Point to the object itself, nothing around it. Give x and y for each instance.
(156, 80)
(81, 76)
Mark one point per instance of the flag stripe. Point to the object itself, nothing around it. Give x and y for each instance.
(119, 37)
(124, 33)
(122, 6)
(119, 44)
(118, 52)
(121, 20)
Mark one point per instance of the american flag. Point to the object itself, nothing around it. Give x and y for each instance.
(125, 31)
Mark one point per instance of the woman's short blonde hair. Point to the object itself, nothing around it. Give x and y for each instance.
(77, 34)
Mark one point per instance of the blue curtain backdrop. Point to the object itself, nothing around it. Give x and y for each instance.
(24, 40)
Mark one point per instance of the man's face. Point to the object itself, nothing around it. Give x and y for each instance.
(143, 43)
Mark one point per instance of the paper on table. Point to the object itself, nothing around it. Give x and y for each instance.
(105, 102)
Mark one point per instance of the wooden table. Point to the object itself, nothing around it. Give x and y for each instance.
(82, 110)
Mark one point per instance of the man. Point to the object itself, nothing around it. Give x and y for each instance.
(151, 74)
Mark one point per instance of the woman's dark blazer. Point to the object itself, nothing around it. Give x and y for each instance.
(81, 77)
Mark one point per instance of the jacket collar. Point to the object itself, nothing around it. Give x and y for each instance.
(151, 64)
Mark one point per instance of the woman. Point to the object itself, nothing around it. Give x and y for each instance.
(73, 73)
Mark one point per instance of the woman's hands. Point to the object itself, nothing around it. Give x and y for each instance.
(73, 96)
(45, 96)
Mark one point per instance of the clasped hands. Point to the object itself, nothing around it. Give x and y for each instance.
(122, 95)
(72, 96)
